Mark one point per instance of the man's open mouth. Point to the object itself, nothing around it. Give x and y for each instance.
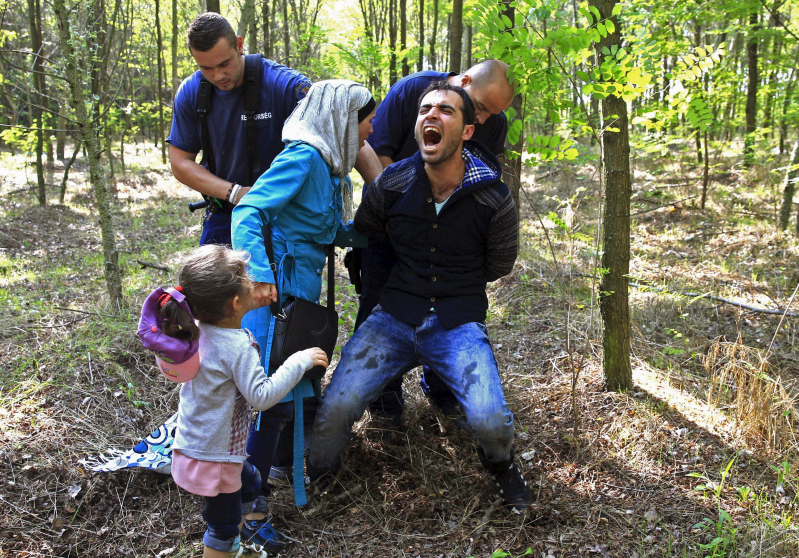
(431, 137)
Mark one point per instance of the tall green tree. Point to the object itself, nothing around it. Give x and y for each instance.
(39, 93)
(614, 302)
(89, 133)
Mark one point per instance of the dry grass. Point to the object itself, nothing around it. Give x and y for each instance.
(743, 382)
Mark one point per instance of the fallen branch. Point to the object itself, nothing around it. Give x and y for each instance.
(18, 243)
(662, 206)
(154, 266)
(483, 522)
(778, 312)
(51, 326)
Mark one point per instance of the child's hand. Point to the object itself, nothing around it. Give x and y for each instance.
(263, 294)
(318, 356)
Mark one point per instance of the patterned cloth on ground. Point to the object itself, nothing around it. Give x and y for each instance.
(154, 452)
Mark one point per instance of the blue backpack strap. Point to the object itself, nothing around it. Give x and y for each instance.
(300, 498)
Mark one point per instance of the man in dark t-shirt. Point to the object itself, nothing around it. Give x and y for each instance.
(219, 54)
(393, 140)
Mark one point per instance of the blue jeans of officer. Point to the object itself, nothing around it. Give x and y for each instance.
(384, 348)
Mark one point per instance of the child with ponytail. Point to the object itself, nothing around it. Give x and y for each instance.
(195, 332)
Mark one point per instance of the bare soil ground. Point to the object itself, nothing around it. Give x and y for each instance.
(656, 471)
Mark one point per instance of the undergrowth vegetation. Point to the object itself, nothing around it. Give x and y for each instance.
(699, 459)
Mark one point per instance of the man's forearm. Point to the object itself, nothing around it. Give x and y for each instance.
(367, 164)
(200, 179)
(385, 160)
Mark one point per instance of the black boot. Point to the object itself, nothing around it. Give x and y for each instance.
(512, 486)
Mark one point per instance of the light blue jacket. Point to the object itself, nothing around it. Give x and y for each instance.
(302, 202)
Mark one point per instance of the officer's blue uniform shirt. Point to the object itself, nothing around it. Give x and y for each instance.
(281, 89)
(395, 119)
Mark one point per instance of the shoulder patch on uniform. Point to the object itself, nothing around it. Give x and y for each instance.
(302, 90)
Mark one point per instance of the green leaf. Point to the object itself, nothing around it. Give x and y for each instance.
(552, 216)
(506, 20)
(610, 26)
(602, 31)
(595, 12)
(571, 153)
(616, 10)
(605, 50)
(583, 76)
(554, 141)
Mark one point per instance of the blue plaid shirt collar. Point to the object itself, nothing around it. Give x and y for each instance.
(476, 170)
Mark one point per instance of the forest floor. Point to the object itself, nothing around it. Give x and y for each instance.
(659, 470)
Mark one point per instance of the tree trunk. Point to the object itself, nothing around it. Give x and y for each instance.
(705, 174)
(38, 98)
(789, 186)
(392, 41)
(456, 37)
(175, 79)
(252, 41)
(406, 69)
(433, 35)
(785, 104)
(286, 37)
(247, 14)
(112, 179)
(420, 63)
(512, 171)
(613, 287)
(267, 26)
(89, 136)
(448, 27)
(159, 81)
(63, 193)
(212, 6)
(698, 139)
(751, 89)
(60, 136)
(467, 51)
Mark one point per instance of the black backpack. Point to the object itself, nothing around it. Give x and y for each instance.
(253, 74)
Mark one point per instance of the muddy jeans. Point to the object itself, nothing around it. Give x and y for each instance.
(384, 348)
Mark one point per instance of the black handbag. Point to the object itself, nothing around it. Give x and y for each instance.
(302, 324)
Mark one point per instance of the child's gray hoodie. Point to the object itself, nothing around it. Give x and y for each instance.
(214, 413)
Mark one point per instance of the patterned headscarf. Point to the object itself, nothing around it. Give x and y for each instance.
(327, 118)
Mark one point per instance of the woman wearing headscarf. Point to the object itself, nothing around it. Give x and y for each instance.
(300, 197)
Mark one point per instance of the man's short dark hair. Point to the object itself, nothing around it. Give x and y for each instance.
(467, 108)
(206, 30)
